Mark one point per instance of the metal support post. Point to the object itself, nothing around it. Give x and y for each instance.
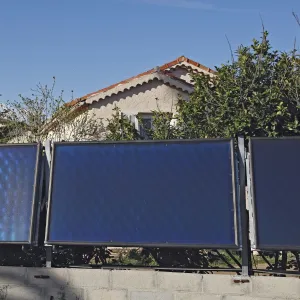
(40, 202)
(252, 227)
(47, 172)
(244, 216)
(48, 256)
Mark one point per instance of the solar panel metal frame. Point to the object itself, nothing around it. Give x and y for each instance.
(35, 195)
(255, 243)
(251, 219)
(235, 197)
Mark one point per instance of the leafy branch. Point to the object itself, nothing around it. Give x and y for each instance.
(45, 115)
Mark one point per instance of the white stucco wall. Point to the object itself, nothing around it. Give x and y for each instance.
(182, 73)
(146, 98)
(87, 284)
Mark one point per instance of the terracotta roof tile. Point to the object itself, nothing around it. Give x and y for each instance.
(162, 68)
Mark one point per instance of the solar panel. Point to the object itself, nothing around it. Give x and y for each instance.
(173, 193)
(18, 188)
(275, 167)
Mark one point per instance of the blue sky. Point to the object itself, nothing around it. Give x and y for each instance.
(90, 44)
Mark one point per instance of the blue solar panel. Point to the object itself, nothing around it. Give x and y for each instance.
(275, 169)
(161, 193)
(17, 180)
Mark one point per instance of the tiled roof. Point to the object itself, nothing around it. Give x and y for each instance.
(158, 75)
(181, 60)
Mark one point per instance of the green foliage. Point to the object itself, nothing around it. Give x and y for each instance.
(162, 127)
(120, 128)
(133, 257)
(45, 115)
(5, 129)
(27, 116)
(255, 95)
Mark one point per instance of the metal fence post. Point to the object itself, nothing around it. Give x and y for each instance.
(47, 146)
(244, 216)
(48, 256)
(47, 171)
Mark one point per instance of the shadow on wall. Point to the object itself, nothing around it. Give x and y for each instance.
(35, 284)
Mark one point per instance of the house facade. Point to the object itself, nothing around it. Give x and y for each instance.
(138, 97)
(155, 90)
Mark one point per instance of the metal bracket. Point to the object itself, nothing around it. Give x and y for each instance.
(47, 165)
(241, 279)
(40, 201)
(252, 230)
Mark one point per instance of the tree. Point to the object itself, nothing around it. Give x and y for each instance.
(35, 119)
(258, 94)
(47, 116)
(119, 128)
(4, 128)
(162, 127)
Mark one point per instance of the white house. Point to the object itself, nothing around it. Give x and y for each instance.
(153, 90)
(137, 97)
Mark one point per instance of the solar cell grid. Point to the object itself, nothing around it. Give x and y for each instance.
(275, 165)
(17, 189)
(143, 193)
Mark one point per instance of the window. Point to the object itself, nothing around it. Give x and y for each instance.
(145, 125)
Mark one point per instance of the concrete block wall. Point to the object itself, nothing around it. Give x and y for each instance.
(87, 284)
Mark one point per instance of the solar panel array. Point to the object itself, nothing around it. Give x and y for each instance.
(174, 193)
(275, 177)
(152, 193)
(18, 165)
